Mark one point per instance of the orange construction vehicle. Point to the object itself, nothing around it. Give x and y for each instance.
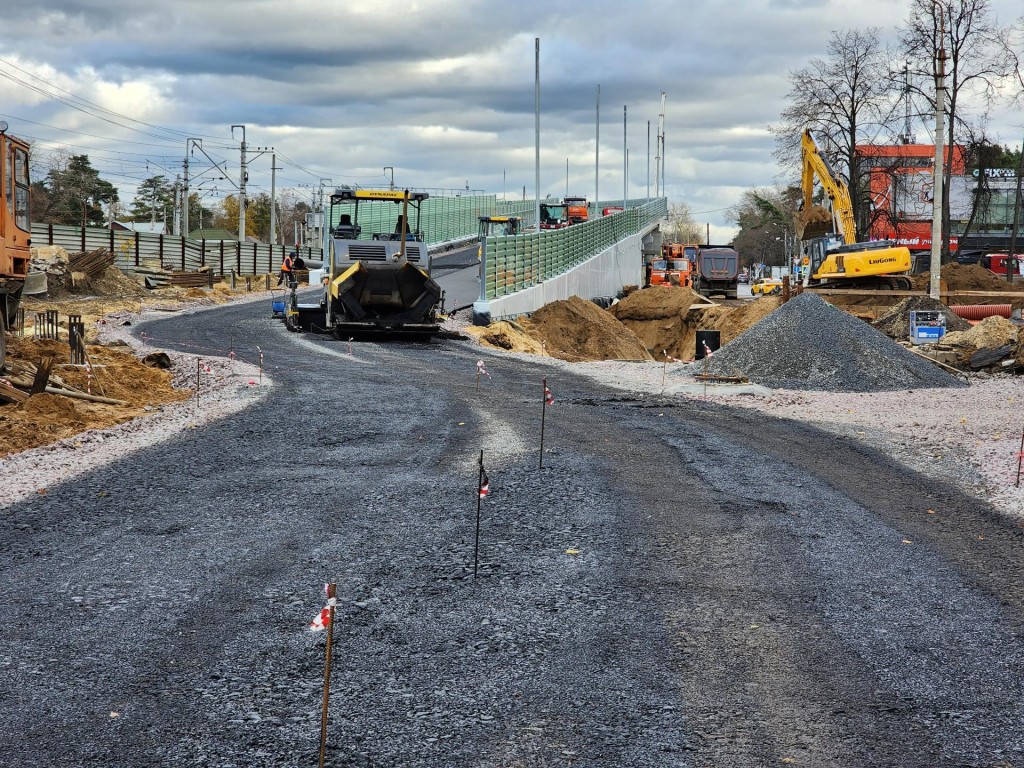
(15, 230)
(576, 209)
(673, 268)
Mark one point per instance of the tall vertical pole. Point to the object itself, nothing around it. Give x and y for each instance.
(243, 177)
(184, 194)
(273, 198)
(648, 159)
(567, 177)
(940, 159)
(597, 146)
(625, 160)
(543, 413)
(1010, 268)
(659, 165)
(536, 130)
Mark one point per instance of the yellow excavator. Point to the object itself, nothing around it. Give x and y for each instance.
(838, 260)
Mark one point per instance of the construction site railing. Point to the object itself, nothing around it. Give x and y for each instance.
(516, 262)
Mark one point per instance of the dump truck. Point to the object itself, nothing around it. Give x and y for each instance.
(717, 271)
(375, 282)
(15, 231)
(576, 210)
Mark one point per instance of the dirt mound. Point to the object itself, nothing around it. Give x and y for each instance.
(807, 344)
(113, 282)
(990, 333)
(508, 336)
(660, 318)
(45, 418)
(576, 330)
(655, 303)
(896, 322)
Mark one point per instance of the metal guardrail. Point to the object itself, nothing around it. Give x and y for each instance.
(515, 262)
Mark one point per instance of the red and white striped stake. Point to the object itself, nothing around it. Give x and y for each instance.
(261, 364)
(88, 376)
(199, 365)
(549, 399)
(350, 345)
(319, 623)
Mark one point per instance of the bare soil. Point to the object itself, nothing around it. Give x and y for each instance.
(115, 369)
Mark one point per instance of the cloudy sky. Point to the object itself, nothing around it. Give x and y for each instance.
(441, 90)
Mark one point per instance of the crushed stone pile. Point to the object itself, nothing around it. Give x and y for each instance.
(807, 344)
(896, 322)
(576, 330)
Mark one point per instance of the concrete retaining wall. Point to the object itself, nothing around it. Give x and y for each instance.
(604, 275)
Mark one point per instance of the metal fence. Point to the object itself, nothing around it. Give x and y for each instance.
(515, 262)
(170, 252)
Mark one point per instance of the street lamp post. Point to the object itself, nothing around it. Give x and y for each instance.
(392, 183)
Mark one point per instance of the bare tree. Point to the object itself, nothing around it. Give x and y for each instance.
(845, 98)
(681, 227)
(1012, 43)
(976, 63)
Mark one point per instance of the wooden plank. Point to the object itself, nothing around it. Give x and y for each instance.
(42, 376)
(11, 393)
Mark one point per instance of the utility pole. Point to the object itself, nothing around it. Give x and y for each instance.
(940, 158)
(273, 198)
(659, 161)
(177, 204)
(648, 159)
(536, 119)
(189, 143)
(597, 146)
(243, 177)
(1010, 267)
(625, 159)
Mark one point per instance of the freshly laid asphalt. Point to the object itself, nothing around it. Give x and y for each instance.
(680, 585)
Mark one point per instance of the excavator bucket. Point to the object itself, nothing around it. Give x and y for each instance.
(395, 299)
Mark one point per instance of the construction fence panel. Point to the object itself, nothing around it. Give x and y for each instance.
(169, 252)
(515, 262)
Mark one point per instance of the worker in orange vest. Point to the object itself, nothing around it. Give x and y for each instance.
(286, 268)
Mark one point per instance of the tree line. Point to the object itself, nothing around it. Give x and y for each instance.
(72, 193)
(864, 92)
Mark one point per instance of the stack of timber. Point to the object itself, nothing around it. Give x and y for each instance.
(152, 275)
(90, 263)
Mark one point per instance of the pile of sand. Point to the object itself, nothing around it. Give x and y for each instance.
(116, 373)
(660, 317)
(575, 330)
(990, 333)
(507, 335)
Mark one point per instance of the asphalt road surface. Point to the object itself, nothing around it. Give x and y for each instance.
(679, 585)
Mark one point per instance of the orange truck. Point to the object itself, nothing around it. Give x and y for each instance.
(576, 209)
(673, 268)
(15, 230)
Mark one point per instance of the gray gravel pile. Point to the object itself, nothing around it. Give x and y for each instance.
(807, 344)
